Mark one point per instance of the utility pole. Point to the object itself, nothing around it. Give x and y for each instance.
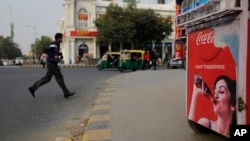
(35, 35)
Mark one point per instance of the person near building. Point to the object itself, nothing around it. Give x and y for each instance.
(43, 59)
(146, 61)
(154, 57)
(53, 58)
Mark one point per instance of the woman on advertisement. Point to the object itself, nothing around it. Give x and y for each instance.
(224, 103)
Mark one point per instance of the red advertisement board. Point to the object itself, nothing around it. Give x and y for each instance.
(212, 74)
(179, 51)
(83, 33)
(178, 9)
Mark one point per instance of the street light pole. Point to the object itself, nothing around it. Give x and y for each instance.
(34, 27)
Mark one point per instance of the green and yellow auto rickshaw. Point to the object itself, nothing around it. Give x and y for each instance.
(109, 60)
(131, 59)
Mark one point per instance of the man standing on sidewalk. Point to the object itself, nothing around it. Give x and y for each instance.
(154, 58)
(54, 56)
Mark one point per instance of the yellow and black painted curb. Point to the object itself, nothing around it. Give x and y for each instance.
(98, 127)
(62, 66)
(68, 66)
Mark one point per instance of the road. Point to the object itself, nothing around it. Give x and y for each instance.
(49, 116)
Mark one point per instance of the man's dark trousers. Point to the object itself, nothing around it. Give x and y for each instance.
(154, 64)
(52, 69)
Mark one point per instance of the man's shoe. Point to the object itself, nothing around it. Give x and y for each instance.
(32, 91)
(69, 94)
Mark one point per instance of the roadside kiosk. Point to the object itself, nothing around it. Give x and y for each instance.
(218, 64)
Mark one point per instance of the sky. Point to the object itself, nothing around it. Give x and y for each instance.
(33, 18)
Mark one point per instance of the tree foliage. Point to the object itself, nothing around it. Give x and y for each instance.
(9, 49)
(132, 24)
(114, 24)
(38, 46)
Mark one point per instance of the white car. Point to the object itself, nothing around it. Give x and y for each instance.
(175, 63)
(19, 61)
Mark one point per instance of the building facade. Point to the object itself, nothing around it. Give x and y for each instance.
(161, 1)
(80, 31)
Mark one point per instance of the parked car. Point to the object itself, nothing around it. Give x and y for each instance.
(175, 63)
(19, 60)
(8, 62)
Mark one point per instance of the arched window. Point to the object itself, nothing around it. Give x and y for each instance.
(83, 18)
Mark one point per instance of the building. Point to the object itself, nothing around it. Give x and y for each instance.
(161, 1)
(80, 31)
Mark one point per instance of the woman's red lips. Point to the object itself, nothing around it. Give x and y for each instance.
(215, 102)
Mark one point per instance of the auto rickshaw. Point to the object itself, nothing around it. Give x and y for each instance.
(131, 59)
(109, 60)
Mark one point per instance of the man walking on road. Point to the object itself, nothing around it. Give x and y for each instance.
(54, 56)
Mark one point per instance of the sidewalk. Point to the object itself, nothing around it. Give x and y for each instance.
(144, 106)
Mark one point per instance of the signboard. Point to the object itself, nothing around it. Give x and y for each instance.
(212, 74)
(83, 16)
(83, 33)
(83, 46)
(179, 51)
(128, 0)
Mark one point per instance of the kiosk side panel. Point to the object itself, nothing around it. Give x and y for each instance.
(212, 73)
(248, 76)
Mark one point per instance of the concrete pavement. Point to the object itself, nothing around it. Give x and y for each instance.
(143, 106)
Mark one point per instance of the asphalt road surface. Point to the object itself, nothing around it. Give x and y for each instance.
(49, 116)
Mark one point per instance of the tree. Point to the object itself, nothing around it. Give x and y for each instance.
(38, 46)
(112, 26)
(9, 49)
(151, 26)
(132, 24)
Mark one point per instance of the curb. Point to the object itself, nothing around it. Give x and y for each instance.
(61, 66)
(98, 126)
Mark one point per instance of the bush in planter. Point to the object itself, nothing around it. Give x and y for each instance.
(87, 58)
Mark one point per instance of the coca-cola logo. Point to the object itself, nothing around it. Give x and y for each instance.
(203, 41)
(205, 38)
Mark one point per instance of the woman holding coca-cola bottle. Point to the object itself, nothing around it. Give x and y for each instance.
(224, 103)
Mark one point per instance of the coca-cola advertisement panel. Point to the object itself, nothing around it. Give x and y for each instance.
(212, 73)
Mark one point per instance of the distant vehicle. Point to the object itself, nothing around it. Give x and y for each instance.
(175, 63)
(109, 60)
(19, 60)
(8, 62)
(131, 60)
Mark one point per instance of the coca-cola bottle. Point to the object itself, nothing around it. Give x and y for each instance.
(206, 91)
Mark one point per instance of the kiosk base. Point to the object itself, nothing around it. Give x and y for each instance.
(198, 128)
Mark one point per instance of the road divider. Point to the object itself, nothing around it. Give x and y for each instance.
(61, 66)
(98, 127)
